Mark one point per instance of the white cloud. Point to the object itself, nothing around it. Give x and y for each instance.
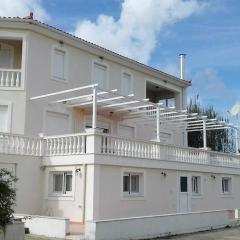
(171, 68)
(210, 86)
(22, 8)
(134, 34)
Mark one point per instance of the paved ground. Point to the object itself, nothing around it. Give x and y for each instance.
(223, 234)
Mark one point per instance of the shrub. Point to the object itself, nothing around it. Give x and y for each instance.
(7, 197)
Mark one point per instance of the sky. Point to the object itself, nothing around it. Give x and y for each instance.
(154, 32)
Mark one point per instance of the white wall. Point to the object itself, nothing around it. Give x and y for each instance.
(156, 226)
(65, 206)
(30, 181)
(37, 55)
(45, 226)
(161, 194)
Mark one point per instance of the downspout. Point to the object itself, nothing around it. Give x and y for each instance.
(84, 192)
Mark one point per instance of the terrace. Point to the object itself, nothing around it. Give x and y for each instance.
(94, 141)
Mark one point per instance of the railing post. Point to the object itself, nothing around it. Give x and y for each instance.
(94, 108)
(41, 144)
(236, 141)
(158, 123)
(204, 135)
(94, 141)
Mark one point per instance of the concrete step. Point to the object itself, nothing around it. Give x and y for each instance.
(69, 237)
(75, 237)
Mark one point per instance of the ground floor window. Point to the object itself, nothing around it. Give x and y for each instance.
(196, 185)
(226, 185)
(62, 183)
(133, 184)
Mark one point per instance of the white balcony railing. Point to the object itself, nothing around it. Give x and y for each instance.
(82, 143)
(151, 150)
(19, 144)
(10, 78)
(65, 145)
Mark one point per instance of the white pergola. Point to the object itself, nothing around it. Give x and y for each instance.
(134, 109)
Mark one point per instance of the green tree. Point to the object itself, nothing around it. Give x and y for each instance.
(220, 140)
(7, 197)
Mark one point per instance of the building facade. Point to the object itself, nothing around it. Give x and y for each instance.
(124, 166)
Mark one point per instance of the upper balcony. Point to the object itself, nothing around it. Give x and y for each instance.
(11, 64)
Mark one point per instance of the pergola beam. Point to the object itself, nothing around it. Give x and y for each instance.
(65, 91)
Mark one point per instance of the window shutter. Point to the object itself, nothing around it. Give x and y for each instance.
(59, 64)
(3, 118)
(100, 75)
(126, 84)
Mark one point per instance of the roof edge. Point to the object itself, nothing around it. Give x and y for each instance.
(93, 45)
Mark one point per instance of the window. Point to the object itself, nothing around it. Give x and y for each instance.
(126, 84)
(100, 75)
(4, 118)
(59, 65)
(196, 185)
(62, 183)
(183, 184)
(133, 184)
(226, 185)
(169, 102)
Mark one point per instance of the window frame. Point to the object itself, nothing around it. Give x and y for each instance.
(141, 184)
(65, 70)
(63, 192)
(198, 185)
(224, 192)
(131, 83)
(9, 114)
(9, 47)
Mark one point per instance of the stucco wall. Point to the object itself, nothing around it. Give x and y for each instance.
(30, 181)
(161, 194)
(64, 206)
(79, 70)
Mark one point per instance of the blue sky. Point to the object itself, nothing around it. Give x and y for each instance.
(208, 32)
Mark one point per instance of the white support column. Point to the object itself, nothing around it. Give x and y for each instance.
(94, 108)
(236, 141)
(158, 123)
(204, 135)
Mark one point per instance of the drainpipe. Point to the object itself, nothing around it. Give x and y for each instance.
(84, 192)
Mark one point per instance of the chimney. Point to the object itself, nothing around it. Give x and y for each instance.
(182, 63)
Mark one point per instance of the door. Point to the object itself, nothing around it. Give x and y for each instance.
(6, 56)
(184, 194)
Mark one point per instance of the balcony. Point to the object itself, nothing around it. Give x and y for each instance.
(11, 64)
(10, 78)
(82, 143)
